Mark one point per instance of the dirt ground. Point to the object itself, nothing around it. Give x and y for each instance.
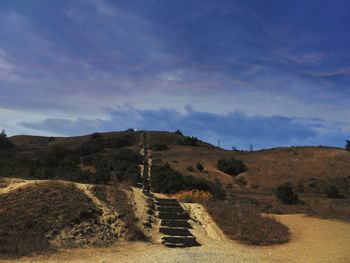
(313, 240)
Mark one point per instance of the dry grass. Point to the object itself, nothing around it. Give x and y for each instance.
(245, 223)
(29, 213)
(193, 196)
(312, 168)
(117, 198)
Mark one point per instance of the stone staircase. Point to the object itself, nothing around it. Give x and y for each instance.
(174, 224)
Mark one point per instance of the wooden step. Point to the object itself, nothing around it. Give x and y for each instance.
(175, 223)
(171, 231)
(171, 215)
(172, 209)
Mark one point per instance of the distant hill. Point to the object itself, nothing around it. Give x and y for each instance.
(308, 169)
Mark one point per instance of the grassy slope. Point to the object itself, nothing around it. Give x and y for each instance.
(312, 167)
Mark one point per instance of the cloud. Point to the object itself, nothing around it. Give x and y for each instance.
(232, 128)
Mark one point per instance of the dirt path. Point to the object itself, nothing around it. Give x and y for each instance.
(314, 240)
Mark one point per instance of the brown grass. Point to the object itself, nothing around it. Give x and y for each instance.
(117, 198)
(29, 213)
(245, 224)
(193, 196)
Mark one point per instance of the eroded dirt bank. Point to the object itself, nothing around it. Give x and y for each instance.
(313, 240)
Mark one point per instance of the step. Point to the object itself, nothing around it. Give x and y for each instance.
(170, 204)
(175, 223)
(172, 209)
(168, 200)
(170, 215)
(187, 241)
(170, 231)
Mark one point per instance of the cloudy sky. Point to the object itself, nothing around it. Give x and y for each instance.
(267, 73)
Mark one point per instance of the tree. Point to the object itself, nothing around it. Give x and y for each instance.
(200, 167)
(347, 147)
(286, 195)
(178, 132)
(231, 166)
(5, 143)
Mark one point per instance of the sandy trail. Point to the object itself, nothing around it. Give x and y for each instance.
(313, 240)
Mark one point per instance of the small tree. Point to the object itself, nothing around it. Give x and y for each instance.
(347, 146)
(333, 192)
(200, 167)
(178, 132)
(231, 166)
(286, 195)
(5, 143)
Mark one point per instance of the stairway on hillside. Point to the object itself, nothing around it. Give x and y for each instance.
(174, 224)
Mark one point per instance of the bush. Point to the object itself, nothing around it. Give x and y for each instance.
(199, 167)
(5, 143)
(190, 168)
(218, 190)
(332, 192)
(231, 166)
(347, 146)
(168, 181)
(189, 141)
(286, 195)
(123, 141)
(92, 146)
(96, 135)
(159, 147)
(178, 132)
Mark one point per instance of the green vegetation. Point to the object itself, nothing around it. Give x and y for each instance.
(286, 195)
(178, 132)
(166, 180)
(347, 146)
(159, 147)
(124, 141)
(189, 141)
(5, 143)
(333, 192)
(199, 167)
(231, 166)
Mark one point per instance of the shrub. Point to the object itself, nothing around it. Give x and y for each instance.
(199, 167)
(190, 168)
(178, 132)
(92, 146)
(332, 192)
(189, 141)
(5, 143)
(166, 180)
(123, 141)
(231, 166)
(96, 135)
(286, 195)
(218, 190)
(347, 146)
(159, 147)
(190, 196)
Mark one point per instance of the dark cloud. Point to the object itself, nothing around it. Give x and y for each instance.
(234, 128)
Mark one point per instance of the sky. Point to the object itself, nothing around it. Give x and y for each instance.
(247, 72)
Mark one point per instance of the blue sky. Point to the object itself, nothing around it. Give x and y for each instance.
(266, 73)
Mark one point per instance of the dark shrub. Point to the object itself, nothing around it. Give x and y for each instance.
(96, 135)
(166, 180)
(347, 146)
(190, 168)
(286, 195)
(124, 141)
(189, 141)
(178, 132)
(159, 147)
(231, 166)
(5, 143)
(200, 167)
(332, 192)
(92, 146)
(218, 190)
